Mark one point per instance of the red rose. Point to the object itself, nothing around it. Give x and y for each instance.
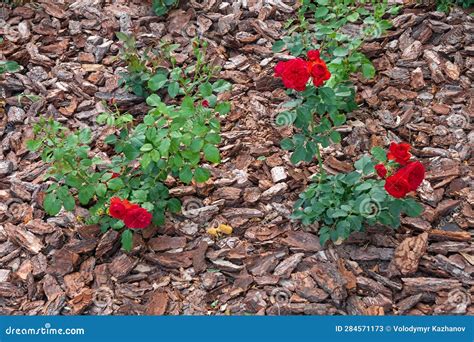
(397, 185)
(399, 152)
(137, 217)
(279, 68)
(414, 173)
(205, 103)
(294, 73)
(319, 72)
(313, 55)
(117, 208)
(381, 170)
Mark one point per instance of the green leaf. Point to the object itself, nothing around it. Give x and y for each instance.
(205, 89)
(73, 181)
(173, 89)
(52, 205)
(146, 148)
(86, 193)
(211, 153)
(353, 17)
(221, 85)
(187, 106)
(323, 238)
(363, 186)
(127, 240)
(122, 36)
(368, 70)
(321, 12)
(364, 164)
(174, 205)
(115, 184)
(223, 108)
(338, 119)
(379, 154)
(298, 155)
(101, 189)
(335, 137)
(157, 82)
(287, 144)
(153, 100)
(186, 174)
(278, 46)
(69, 203)
(213, 138)
(412, 208)
(201, 175)
(340, 51)
(34, 145)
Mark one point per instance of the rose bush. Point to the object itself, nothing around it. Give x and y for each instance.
(126, 189)
(340, 203)
(345, 203)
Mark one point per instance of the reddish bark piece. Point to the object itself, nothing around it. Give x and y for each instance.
(157, 304)
(328, 278)
(172, 260)
(424, 284)
(24, 238)
(408, 253)
(302, 241)
(199, 257)
(445, 235)
(63, 262)
(164, 243)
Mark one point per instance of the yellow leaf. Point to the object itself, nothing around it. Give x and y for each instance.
(213, 232)
(225, 229)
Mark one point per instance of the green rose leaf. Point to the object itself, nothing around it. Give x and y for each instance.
(211, 153)
(52, 205)
(127, 240)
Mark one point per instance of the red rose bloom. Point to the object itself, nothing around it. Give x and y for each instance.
(117, 208)
(414, 173)
(205, 103)
(279, 68)
(397, 185)
(137, 217)
(294, 73)
(399, 152)
(381, 170)
(313, 55)
(319, 72)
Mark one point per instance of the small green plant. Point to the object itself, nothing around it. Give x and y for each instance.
(346, 203)
(172, 140)
(161, 7)
(446, 5)
(9, 66)
(156, 71)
